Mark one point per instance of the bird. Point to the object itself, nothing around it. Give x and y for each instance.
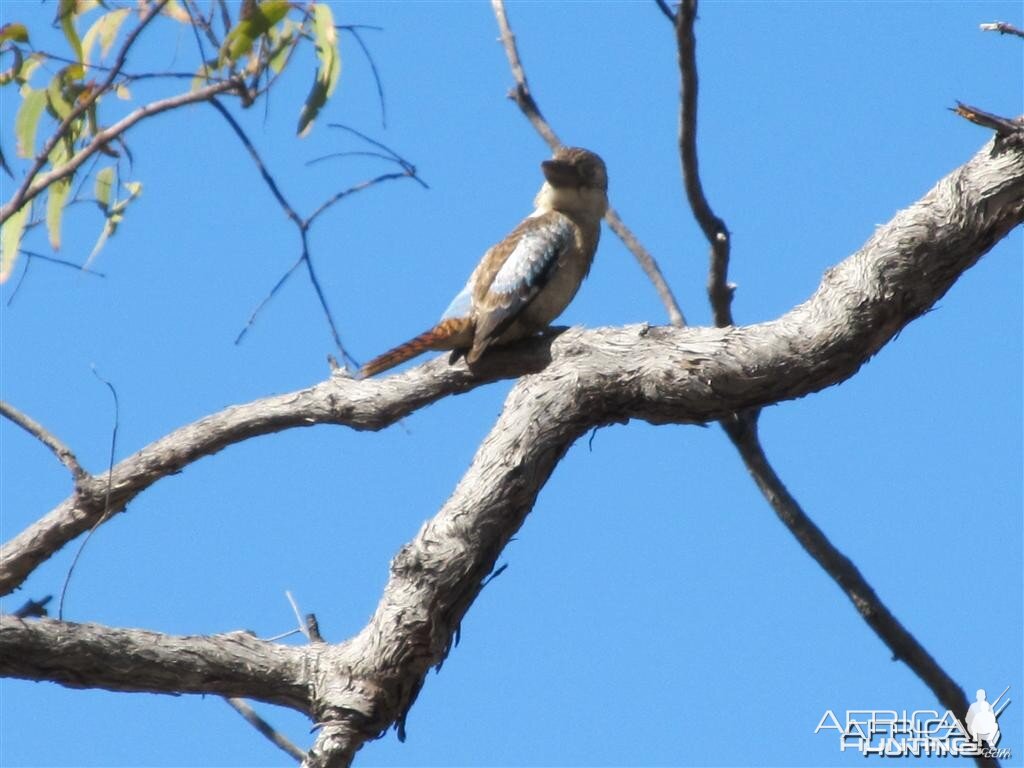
(526, 280)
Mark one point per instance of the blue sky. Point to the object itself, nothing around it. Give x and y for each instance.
(653, 610)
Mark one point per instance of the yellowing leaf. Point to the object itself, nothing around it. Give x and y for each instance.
(262, 17)
(56, 196)
(66, 15)
(104, 29)
(14, 31)
(329, 70)
(30, 66)
(281, 44)
(27, 120)
(122, 92)
(115, 214)
(174, 10)
(104, 185)
(9, 74)
(10, 240)
(55, 96)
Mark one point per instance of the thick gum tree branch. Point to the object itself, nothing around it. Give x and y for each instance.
(95, 656)
(577, 380)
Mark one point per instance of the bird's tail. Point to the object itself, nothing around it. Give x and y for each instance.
(450, 333)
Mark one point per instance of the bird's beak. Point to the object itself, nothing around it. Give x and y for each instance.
(560, 173)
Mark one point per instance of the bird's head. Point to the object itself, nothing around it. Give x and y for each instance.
(576, 182)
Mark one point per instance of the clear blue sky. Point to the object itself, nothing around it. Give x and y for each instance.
(653, 610)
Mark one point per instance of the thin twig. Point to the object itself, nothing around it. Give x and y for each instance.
(359, 188)
(524, 99)
(521, 94)
(260, 165)
(663, 7)
(373, 70)
(298, 614)
(719, 290)
(322, 297)
(64, 454)
(276, 737)
(106, 500)
(409, 168)
(63, 263)
(266, 299)
(1003, 28)
(648, 265)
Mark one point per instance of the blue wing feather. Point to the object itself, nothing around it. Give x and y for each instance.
(461, 304)
(528, 266)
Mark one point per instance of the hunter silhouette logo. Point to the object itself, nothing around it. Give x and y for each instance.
(982, 719)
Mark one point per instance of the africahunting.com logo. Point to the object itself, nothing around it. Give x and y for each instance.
(922, 732)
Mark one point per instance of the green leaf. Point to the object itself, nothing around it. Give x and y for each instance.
(259, 21)
(104, 29)
(329, 70)
(14, 31)
(10, 74)
(281, 45)
(104, 186)
(10, 239)
(66, 14)
(31, 65)
(55, 96)
(27, 120)
(57, 194)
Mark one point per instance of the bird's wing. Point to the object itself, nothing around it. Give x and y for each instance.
(533, 250)
(462, 303)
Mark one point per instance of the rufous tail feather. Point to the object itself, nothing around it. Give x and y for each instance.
(438, 337)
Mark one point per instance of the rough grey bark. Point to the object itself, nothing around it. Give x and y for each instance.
(569, 384)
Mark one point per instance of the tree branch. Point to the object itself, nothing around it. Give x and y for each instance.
(94, 656)
(30, 189)
(524, 99)
(275, 737)
(661, 375)
(47, 438)
(714, 229)
(742, 427)
(1002, 27)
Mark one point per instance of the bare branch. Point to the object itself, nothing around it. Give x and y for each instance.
(266, 299)
(719, 290)
(666, 11)
(524, 99)
(660, 375)
(135, 660)
(648, 265)
(1002, 28)
(260, 165)
(277, 738)
(903, 644)
(353, 29)
(1003, 126)
(742, 426)
(64, 454)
